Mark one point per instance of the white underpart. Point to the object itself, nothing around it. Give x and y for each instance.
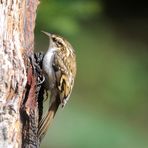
(47, 63)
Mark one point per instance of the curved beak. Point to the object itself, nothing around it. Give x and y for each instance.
(48, 34)
(51, 44)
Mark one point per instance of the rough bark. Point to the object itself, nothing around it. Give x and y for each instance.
(18, 111)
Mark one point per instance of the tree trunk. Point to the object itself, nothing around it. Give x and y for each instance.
(18, 104)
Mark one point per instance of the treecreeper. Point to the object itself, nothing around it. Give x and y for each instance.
(59, 70)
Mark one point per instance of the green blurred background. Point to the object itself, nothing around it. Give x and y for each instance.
(109, 106)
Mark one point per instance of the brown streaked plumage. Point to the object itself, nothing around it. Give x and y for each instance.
(59, 67)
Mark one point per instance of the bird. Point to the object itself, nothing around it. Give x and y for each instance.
(59, 70)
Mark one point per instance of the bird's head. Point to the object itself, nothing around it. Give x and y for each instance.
(59, 43)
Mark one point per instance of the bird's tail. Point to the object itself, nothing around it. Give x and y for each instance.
(47, 119)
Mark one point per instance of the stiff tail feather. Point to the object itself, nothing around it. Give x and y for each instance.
(47, 119)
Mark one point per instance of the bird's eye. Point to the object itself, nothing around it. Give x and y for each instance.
(54, 39)
(59, 43)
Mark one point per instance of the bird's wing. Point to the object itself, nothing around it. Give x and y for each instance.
(62, 78)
